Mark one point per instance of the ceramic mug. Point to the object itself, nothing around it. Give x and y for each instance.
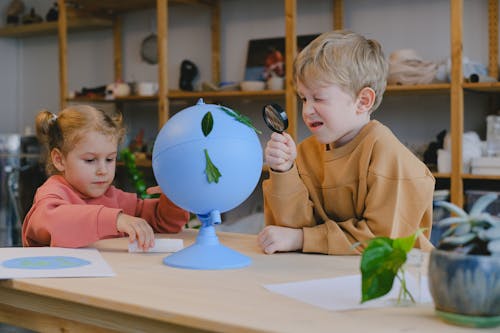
(275, 83)
(147, 88)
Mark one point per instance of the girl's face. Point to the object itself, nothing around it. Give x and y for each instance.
(90, 166)
(331, 114)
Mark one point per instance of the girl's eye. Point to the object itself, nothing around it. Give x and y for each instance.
(110, 159)
(89, 160)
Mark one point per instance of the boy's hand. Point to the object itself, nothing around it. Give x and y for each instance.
(280, 239)
(136, 228)
(280, 152)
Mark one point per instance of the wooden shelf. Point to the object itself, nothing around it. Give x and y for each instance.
(113, 6)
(178, 94)
(434, 88)
(473, 176)
(50, 28)
(441, 175)
(187, 95)
(482, 86)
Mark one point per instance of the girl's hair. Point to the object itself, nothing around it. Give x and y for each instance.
(65, 130)
(346, 59)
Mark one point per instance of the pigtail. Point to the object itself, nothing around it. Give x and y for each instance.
(49, 136)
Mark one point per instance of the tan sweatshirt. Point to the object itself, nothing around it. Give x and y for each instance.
(372, 186)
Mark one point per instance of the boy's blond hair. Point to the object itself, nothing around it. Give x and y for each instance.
(65, 130)
(346, 59)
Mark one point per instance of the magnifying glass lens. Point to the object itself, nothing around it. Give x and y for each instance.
(275, 117)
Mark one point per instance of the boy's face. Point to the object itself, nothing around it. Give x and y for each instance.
(330, 113)
(90, 166)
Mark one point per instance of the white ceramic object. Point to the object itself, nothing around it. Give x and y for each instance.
(275, 83)
(118, 89)
(147, 88)
(252, 85)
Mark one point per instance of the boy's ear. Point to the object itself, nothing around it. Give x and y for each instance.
(366, 98)
(57, 159)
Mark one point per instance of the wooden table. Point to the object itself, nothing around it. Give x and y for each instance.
(147, 296)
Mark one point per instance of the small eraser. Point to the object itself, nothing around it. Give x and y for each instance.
(161, 245)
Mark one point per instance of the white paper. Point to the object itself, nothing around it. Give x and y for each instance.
(344, 293)
(44, 262)
(161, 245)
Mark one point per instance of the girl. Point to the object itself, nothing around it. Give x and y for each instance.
(78, 205)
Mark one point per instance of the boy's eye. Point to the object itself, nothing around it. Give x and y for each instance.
(110, 159)
(89, 160)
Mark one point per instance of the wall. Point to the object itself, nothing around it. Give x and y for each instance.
(29, 72)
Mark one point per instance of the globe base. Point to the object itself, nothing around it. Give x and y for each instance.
(207, 254)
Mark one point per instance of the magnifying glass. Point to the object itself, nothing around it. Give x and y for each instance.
(275, 117)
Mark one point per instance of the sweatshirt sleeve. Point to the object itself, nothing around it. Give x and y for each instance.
(54, 221)
(286, 200)
(162, 214)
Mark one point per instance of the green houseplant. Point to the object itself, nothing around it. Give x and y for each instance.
(464, 269)
(383, 261)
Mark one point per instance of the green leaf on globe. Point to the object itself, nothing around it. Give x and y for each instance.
(207, 123)
(241, 118)
(213, 174)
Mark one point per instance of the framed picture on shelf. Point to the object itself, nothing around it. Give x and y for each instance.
(266, 57)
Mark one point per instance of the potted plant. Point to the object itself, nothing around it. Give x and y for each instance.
(464, 269)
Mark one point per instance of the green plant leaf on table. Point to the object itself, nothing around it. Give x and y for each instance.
(381, 262)
(213, 174)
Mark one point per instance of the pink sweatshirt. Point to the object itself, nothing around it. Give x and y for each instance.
(60, 216)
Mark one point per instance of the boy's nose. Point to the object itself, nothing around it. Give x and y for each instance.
(307, 108)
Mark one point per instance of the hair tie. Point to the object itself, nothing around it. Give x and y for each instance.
(54, 117)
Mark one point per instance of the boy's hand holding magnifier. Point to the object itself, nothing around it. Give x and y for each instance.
(280, 151)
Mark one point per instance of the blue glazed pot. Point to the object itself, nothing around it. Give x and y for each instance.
(465, 288)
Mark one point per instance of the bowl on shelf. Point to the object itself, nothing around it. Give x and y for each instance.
(252, 85)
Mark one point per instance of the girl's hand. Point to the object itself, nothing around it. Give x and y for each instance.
(154, 190)
(280, 239)
(136, 228)
(280, 152)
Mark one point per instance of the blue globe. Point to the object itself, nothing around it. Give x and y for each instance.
(201, 134)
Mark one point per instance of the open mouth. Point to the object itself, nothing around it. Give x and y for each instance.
(315, 124)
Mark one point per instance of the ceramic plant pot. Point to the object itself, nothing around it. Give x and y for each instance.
(465, 288)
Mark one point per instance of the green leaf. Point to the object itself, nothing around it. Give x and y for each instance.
(483, 202)
(239, 117)
(207, 123)
(380, 263)
(213, 174)
(407, 243)
(452, 208)
(448, 221)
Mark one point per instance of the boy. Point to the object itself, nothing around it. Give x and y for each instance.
(352, 180)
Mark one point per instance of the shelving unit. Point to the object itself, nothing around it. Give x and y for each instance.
(107, 15)
(50, 28)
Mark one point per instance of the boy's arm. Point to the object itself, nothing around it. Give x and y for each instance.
(286, 200)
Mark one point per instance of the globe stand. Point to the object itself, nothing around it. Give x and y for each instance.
(207, 252)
